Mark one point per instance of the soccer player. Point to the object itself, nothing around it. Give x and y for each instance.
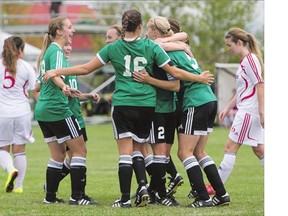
(56, 120)
(75, 106)
(199, 111)
(16, 78)
(248, 125)
(133, 102)
(113, 33)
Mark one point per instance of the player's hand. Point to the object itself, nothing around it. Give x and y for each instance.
(207, 77)
(141, 76)
(95, 96)
(75, 92)
(66, 91)
(48, 74)
(223, 114)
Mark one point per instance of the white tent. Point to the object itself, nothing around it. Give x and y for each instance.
(31, 52)
(225, 83)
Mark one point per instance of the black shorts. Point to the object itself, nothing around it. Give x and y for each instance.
(61, 131)
(163, 128)
(198, 120)
(132, 121)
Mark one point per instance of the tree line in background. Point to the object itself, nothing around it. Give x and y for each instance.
(206, 23)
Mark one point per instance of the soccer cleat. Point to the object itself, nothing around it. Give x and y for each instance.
(210, 190)
(201, 203)
(152, 197)
(18, 190)
(80, 201)
(174, 184)
(120, 204)
(142, 197)
(221, 200)
(135, 194)
(55, 201)
(173, 200)
(9, 185)
(193, 194)
(166, 201)
(93, 201)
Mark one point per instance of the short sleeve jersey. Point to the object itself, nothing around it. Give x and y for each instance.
(74, 102)
(247, 76)
(52, 104)
(127, 57)
(195, 94)
(14, 90)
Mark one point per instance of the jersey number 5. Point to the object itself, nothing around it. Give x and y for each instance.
(8, 79)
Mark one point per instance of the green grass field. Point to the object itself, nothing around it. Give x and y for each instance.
(245, 185)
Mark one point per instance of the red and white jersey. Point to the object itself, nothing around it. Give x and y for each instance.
(14, 90)
(247, 76)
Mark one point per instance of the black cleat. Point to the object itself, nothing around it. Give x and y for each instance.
(201, 203)
(142, 197)
(55, 201)
(193, 194)
(120, 204)
(81, 201)
(174, 184)
(221, 200)
(166, 201)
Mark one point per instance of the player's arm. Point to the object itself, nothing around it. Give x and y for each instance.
(144, 77)
(87, 96)
(232, 103)
(82, 69)
(173, 46)
(205, 77)
(180, 36)
(60, 83)
(36, 91)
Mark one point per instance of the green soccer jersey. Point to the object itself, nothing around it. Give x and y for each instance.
(127, 57)
(165, 100)
(52, 104)
(74, 102)
(195, 94)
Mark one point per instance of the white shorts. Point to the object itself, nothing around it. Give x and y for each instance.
(246, 129)
(16, 130)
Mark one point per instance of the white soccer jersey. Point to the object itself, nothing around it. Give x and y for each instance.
(14, 90)
(247, 76)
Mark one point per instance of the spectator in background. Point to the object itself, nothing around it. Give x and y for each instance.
(54, 8)
(16, 77)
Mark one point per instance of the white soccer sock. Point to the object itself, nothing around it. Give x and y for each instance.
(226, 166)
(20, 162)
(6, 161)
(67, 163)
